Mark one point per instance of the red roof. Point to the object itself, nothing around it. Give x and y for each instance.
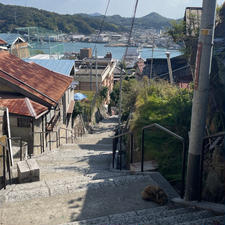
(22, 106)
(2, 42)
(38, 81)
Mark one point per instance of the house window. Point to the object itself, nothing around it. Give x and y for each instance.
(23, 122)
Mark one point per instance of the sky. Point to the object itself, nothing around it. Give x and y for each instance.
(167, 8)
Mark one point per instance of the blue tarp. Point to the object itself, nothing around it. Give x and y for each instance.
(79, 96)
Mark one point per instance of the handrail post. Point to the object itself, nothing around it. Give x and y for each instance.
(72, 136)
(57, 143)
(40, 143)
(183, 168)
(113, 151)
(201, 170)
(131, 148)
(50, 144)
(21, 150)
(8, 164)
(142, 150)
(4, 167)
(121, 153)
(59, 137)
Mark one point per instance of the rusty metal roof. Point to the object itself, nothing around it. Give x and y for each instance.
(22, 106)
(39, 82)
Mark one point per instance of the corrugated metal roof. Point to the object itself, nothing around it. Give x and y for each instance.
(59, 66)
(36, 80)
(10, 38)
(22, 106)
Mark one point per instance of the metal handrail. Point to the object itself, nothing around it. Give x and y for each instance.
(181, 139)
(120, 151)
(50, 141)
(21, 145)
(53, 141)
(215, 135)
(5, 155)
(66, 129)
(41, 133)
(202, 160)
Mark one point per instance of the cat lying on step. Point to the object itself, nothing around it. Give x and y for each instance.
(155, 194)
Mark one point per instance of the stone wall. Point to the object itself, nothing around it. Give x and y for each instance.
(214, 175)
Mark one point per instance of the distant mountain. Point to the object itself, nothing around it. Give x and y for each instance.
(12, 17)
(95, 14)
(155, 20)
(152, 20)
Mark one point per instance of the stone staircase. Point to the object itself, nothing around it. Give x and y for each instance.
(165, 215)
(78, 187)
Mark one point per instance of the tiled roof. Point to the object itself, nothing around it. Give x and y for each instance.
(59, 66)
(22, 106)
(10, 38)
(41, 83)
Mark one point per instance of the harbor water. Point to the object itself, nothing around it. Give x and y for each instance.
(117, 52)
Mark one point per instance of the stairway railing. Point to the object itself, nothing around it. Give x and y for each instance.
(181, 139)
(72, 136)
(114, 147)
(155, 125)
(6, 163)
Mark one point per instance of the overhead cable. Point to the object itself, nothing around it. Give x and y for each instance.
(131, 29)
(102, 23)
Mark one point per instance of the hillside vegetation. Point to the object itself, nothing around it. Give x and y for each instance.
(12, 17)
(162, 103)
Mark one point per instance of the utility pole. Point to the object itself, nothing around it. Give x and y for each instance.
(90, 64)
(169, 67)
(200, 101)
(96, 70)
(120, 98)
(151, 68)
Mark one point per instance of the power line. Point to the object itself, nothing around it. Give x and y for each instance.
(95, 46)
(131, 29)
(102, 23)
(124, 59)
(165, 74)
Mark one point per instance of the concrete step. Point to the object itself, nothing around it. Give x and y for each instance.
(148, 166)
(96, 200)
(68, 185)
(217, 220)
(186, 217)
(152, 216)
(88, 146)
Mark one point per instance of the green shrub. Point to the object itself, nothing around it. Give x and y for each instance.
(169, 106)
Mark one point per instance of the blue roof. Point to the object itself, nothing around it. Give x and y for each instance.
(59, 66)
(79, 96)
(10, 38)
